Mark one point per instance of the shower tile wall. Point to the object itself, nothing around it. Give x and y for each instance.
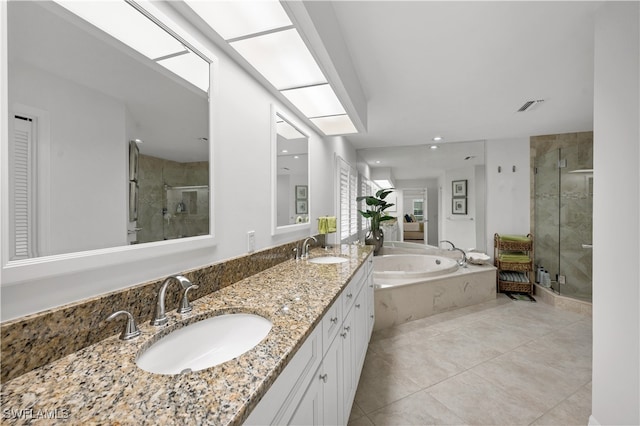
(156, 224)
(562, 216)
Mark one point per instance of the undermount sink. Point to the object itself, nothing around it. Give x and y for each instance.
(204, 344)
(328, 259)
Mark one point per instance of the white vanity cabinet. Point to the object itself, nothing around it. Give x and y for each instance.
(299, 397)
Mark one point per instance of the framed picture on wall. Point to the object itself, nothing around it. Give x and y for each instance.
(301, 192)
(302, 207)
(459, 188)
(459, 206)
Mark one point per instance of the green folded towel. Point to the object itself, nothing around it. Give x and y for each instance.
(514, 257)
(517, 238)
(323, 225)
(326, 225)
(331, 223)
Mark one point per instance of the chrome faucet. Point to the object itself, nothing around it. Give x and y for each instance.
(462, 262)
(160, 318)
(449, 242)
(305, 247)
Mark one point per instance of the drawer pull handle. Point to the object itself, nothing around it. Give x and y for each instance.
(323, 377)
(334, 320)
(344, 335)
(357, 305)
(350, 295)
(347, 328)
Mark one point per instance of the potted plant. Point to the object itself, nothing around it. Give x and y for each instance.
(376, 214)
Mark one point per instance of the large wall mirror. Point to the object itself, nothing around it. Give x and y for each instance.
(108, 132)
(290, 154)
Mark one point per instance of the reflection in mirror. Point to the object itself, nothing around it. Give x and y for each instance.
(292, 174)
(424, 174)
(77, 97)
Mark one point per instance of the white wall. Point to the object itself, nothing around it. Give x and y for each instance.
(508, 200)
(457, 228)
(616, 233)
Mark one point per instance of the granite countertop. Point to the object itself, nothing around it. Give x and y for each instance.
(102, 384)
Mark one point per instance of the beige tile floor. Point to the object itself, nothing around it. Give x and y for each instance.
(502, 362)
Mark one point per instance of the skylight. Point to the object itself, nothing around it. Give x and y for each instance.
(315, 101)
(234, 19)
(282, 58)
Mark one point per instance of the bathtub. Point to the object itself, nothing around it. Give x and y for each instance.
(393, 268)
(412, 286)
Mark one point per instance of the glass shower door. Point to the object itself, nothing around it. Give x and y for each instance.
(576, 220)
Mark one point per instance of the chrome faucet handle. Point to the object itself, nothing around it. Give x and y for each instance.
(130, 330)
(185, 306)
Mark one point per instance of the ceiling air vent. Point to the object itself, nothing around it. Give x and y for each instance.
(528, 106)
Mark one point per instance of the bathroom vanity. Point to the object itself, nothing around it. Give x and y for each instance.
(305, 370)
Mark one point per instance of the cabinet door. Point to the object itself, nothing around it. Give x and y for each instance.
(331, 377)
(310, 409)
(360, 329)
(348, 359)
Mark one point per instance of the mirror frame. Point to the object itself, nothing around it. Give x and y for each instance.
(275, 229)
(138, 257)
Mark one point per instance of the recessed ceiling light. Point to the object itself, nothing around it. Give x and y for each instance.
(434, 147)
(437, 138)
(296, 157)
(378, 161)
(284, 151)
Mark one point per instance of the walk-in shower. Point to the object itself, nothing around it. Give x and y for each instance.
(563, 210)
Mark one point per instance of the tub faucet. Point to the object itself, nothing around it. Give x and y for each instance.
(305, 247)
(160, 318)
(449, 242)
(462, 262)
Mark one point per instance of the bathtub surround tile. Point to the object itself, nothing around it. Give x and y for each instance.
(466, 287)
(36, 340)
(497, 362)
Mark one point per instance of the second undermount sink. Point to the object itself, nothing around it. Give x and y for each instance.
(328, 259)
(204, 344)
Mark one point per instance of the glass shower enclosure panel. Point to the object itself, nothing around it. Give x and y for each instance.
(563, 220)
(547, 218)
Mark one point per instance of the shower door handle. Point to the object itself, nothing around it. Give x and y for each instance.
(587, 246)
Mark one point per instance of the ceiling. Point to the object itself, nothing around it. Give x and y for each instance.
(461, 70)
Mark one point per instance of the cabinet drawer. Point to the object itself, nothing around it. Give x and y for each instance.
(351, 291)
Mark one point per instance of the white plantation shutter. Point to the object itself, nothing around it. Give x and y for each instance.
(22, 180)
(365, 189)
(353, 204)
(348, 190)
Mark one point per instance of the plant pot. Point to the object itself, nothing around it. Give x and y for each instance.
(375, 238)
